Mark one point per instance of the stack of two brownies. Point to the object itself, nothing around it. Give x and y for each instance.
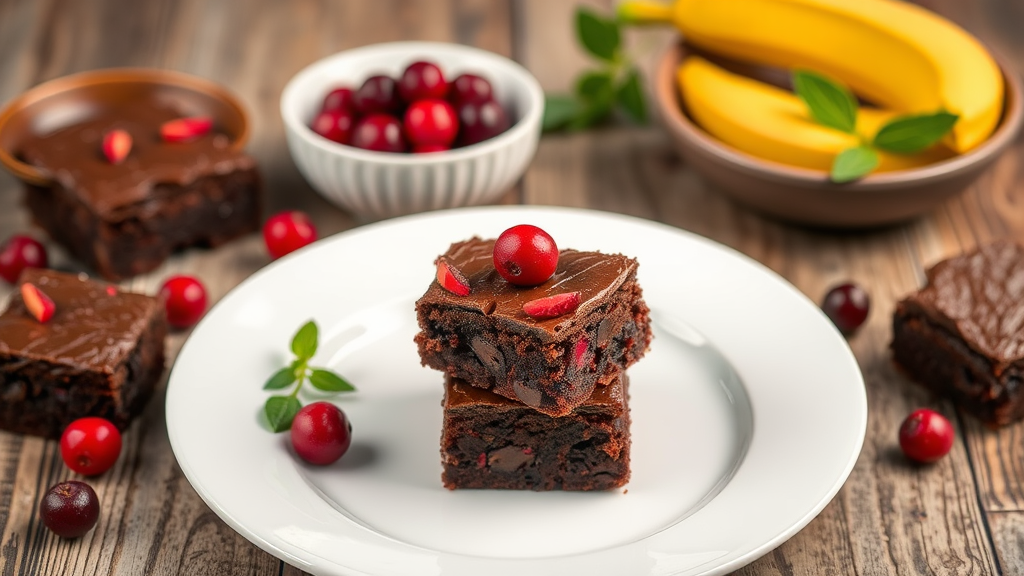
(535, 404)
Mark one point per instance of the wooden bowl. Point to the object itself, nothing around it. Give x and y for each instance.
(72, 99)
(807, 196)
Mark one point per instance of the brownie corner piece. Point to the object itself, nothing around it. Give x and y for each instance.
(100, 354)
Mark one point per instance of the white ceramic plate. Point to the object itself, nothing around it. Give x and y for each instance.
(748, 414)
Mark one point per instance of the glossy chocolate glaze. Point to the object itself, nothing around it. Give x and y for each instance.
(95, 325)
(73, 156)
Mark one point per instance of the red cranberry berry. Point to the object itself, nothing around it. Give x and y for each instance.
(379, 132)
(321, 433)
(481, 121)
(431, 122)
(90, 445)
(525, 255)
(335, 125)
(377, 94)
(470, 88)
(847, 305)
(184, 299)
(70, 509)
(338, 99)
(926, 436)
(18, 253)
(422, 80)
(286, 232)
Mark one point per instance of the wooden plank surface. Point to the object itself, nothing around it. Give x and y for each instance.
(961, 516)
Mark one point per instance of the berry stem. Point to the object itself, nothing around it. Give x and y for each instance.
(301, 370)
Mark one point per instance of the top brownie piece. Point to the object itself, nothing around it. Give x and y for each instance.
(553, 364)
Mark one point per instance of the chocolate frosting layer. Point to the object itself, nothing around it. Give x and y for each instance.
(73, 156)
(593, 274)
(95, 325)
(980, 297)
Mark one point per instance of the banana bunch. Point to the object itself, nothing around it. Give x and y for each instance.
(897, 55)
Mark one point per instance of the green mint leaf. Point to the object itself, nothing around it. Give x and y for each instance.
(280, 411)
(558, 111)
(594, 86)
(830, 103)
(909, 134)
(852, 163)
(593, 112)
(329, 381)
(305, 341)
(597, 99)
(281, 379)
(631, 97)
(600, 36)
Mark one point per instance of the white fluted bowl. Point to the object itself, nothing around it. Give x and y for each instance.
(380, 184)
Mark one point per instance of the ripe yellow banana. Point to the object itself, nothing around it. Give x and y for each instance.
(893, 53)
(774, 124)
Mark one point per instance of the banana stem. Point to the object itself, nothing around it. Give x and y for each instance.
(641, 12)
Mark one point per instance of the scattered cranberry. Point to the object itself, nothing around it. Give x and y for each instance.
(70, 509)
(186, 129)
(428, 148)
(335, 125)
(481, 121)
(338, 99)
(37, 302)
(470, 88)
(926, 436)
(286, 232)
(18, 253)
(847, 305)
(431, 122)
(552, 306)
(421, 81)
(184, 300)
(116, 146)
(321, 433)
(451, 278)
(90, 445)
(377, 94)
(525, 255)
(379, 132)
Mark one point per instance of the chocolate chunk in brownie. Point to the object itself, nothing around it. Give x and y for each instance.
(962, 335)
(551, 365)
(489, 441)
(101, 354)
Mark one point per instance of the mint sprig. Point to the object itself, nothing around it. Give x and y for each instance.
(615, 84)
(281, 410)
(831, 104)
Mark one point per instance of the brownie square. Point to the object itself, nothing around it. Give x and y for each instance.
(962, 334)
(551, 365)
(125, 219)
(489, 441)
(101, 354)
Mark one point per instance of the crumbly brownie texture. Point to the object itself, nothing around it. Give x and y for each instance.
(489, 441)
(126, 219)
(101, 354)
(551, 365)
(962, 335)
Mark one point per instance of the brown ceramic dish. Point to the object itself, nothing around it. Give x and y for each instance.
(71, 99)
(807, 196)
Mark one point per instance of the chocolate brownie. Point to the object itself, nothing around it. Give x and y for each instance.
(962, 335)
(551, 365)
(101, 354)
(489, 441)
(125, 219)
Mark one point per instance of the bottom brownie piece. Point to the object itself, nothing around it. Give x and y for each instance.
(489, 441)
(101, 354)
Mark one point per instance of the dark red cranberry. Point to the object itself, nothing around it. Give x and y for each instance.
(379, 132)
(335, 125)
(338, 99)
(431, 122)
(525, 255)
(321, 433)
(18, 253)
(926, 436)
(377, 94)
(70, 509)
(184, 299)
(470, 88)
(286, 232)
(428, 148)
(847, 305)
(422, 80)
(481, 121)
(90, 445)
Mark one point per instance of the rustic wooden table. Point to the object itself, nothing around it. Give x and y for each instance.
(962, 515)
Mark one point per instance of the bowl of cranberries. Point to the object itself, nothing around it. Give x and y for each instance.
(403, 127)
